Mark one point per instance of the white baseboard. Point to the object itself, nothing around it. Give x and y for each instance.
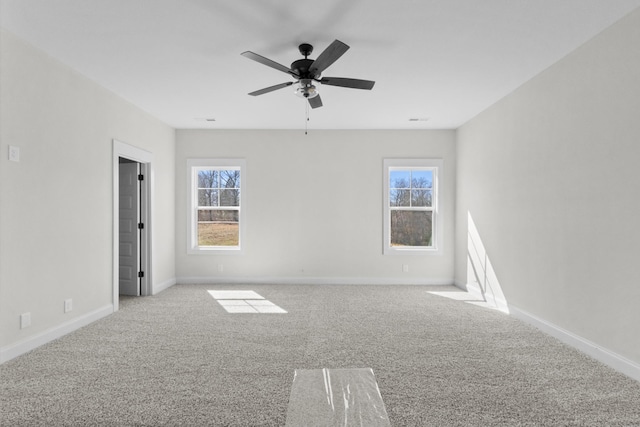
(473, 289)
(461, 285)
(159, 287)
(14, 350)
(301, 280)
(613, 360)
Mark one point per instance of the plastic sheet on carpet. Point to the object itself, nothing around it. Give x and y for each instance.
(336, 397)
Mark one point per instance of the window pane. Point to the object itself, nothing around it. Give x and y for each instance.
(421, 198)
(218, 234)
(229, 179)
(218, 228)
(208, 179)
(207, 197)
(399, 179)
(399, 197)
(411, 228)
(421, 179)
(229, 197)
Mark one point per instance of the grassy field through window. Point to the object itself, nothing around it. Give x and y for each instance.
(218, 234)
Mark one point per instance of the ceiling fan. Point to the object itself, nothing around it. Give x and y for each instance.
(307, 71)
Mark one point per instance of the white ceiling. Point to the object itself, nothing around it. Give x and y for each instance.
(441, 60)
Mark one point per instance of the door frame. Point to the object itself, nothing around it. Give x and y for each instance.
(145, 158)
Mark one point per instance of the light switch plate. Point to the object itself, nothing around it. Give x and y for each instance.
(14, 153)
(25, 320)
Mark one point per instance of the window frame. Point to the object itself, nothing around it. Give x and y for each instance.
(193, 166)
(435, 165)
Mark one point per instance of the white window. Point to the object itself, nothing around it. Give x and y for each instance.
(216, 205)
(412, 218)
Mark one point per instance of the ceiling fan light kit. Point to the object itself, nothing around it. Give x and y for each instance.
(307, 71)
(306, 89)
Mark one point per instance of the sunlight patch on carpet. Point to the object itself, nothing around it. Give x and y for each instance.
(457, 295)
(468, 298)
(244, 302)
(235, 295)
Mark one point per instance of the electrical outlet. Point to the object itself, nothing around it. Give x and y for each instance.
(14, 153)
(25, 320)
(405, 268)
(220, 268)
(68, 305)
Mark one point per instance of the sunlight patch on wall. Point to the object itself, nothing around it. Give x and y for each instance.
(244, 302)
(481, 277)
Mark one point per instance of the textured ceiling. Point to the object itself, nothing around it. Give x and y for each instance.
(179, 60)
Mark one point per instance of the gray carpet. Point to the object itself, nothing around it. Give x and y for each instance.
(179, 359)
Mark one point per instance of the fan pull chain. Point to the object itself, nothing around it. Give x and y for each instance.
(306, 122)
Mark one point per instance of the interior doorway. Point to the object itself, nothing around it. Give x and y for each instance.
(130, 273)
(132, 258)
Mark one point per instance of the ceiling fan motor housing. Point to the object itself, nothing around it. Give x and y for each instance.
(301, 67)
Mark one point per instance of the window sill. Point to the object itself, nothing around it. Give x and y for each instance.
(215, 251)
(412, 251)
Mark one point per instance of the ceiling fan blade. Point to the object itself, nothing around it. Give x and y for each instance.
(268, 62)
(328, 57)
(270, 89)
(315, 102)
(351, 83)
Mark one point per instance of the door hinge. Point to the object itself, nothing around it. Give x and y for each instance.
(140, 225)
(141, 274)
(140, 177)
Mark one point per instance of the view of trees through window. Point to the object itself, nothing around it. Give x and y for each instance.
(218, 207)
(411, 206)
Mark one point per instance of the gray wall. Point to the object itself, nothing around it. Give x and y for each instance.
(56, 203)
(315, 206)
(550, 177)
